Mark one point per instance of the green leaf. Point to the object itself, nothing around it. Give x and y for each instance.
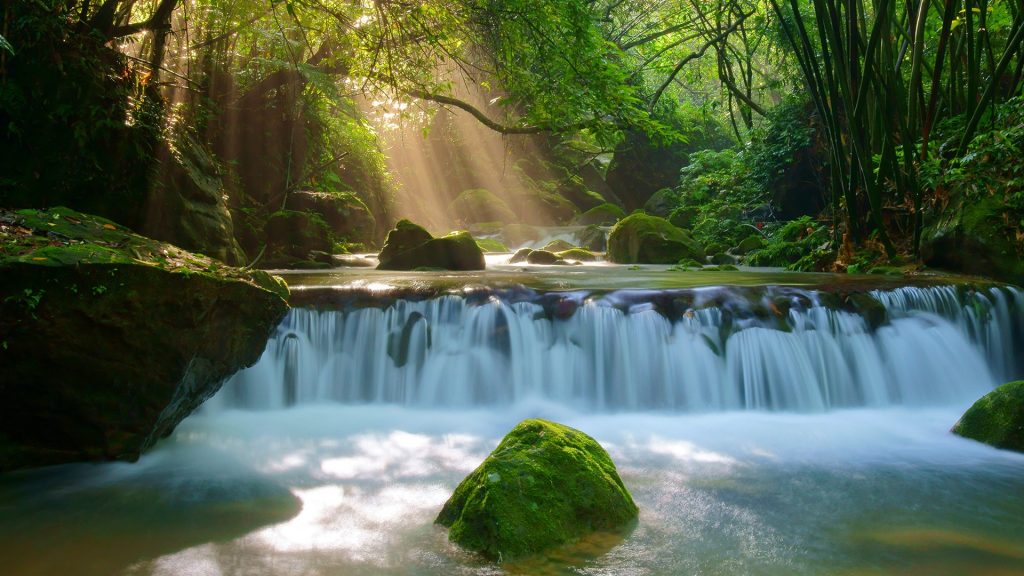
(5, 45)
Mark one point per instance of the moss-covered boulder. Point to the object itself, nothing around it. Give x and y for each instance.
(491, 245)
(662, 203)
(749, 244)
(345, 214)
(644, 239)
(480, 205)
(976, 238)
(603, 214)
(520, 256)
(544, 485)
(558, 246)
(410, 247)
(542, 257)
(997, 419)
(578, 254)
(109, 339)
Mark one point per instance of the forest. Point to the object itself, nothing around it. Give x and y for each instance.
(325, 287)
(891, 129)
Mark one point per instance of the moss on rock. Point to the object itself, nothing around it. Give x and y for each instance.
(109, 339)
(603, 214)
(544, 485)
(542, 257)
(491, 245)
(410, 247)
(997, 419)
(644, 239)
(558, 246)
(578, 254)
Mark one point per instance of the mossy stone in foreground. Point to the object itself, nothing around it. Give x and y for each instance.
(544, 485)
(997, 418)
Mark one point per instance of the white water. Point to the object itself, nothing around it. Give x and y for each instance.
(449, 352)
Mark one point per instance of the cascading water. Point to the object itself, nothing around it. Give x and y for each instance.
(782, 349)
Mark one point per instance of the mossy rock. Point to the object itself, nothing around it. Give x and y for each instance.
(683, 217)
(977, 238)
(456, 251)
(723, 258)
(997, 419)
(491, 245)
(109, 339)
(544, 485)
(662, 203)
(406, 235)
(873, 311)
(578, 254)
(345, 214)
(480, 205)
(542, 257)
(644, 239)
(520, 256)
(558, 246)
(749, 244)
(603, 214)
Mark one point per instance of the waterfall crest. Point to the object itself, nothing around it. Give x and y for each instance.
(937, 346)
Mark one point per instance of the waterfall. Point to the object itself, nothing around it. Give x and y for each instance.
(622, 352)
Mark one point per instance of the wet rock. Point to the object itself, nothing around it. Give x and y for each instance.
(521, 255)
(542, 257)
(109, 339)
(410, 247)
(644, 239)
(557, 246)
(997, 419)
(544, 485)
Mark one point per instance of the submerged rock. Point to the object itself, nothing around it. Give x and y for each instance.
(997, 419)
(544, 485)
(109, 339)
(410, 247)
(643, 239)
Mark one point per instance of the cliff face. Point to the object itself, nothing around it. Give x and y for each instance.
(109, 339)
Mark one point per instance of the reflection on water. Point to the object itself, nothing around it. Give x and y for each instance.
(324, 491)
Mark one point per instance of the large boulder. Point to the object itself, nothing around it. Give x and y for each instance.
(604, 214)
(480, 205)
(997, 418)
(544, 485)
(644, 239)
(187, 203)
(409, 247)
(108, 339)
(976, 238)
(345, 214)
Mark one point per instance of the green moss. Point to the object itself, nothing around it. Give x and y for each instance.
(558, 246)
(606, 214)
(642, 238)
(720, 268)
(480, 205)
(544, 485)
(577, 254)
(750, 243)
(997, 419)
(405, 249)
(491, 245)
(542, 257)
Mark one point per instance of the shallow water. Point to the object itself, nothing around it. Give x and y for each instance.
(329, 490)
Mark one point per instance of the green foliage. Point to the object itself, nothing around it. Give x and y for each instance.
(5, 45)
(800, 244)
